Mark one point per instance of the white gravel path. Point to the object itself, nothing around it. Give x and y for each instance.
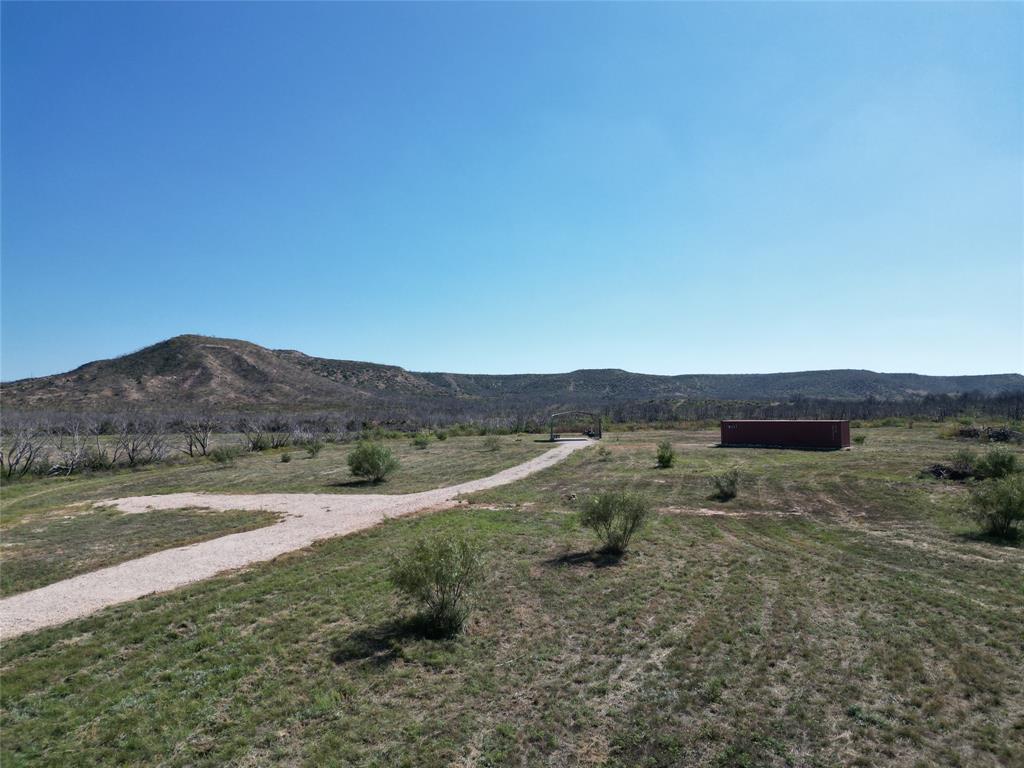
(308, 517)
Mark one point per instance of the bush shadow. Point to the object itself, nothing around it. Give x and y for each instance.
(978, 537)
(380, 645)
(595, 559)
(353, 484)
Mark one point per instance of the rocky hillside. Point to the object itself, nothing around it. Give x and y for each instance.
(195, 370)
(201, 370)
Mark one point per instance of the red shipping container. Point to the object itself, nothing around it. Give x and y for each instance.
(787, 433)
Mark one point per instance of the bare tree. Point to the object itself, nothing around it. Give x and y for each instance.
(26, 448)
(254, 434)
(154, 443)
(127, 441)
(198, 431)
(280, 438)
(98, 455)
(141, 441)
(278, 431)
(70, 447)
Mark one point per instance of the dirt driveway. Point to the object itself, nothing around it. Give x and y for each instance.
(308, 517)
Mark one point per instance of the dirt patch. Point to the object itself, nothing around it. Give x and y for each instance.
(705, 512)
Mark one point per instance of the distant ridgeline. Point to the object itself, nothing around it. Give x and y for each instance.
(192, 374)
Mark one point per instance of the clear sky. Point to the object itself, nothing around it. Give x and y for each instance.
(519, 187)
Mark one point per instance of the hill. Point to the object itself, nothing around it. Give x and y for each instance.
(201, 370)
(193, 370)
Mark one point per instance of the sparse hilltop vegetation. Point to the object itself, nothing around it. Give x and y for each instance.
(189, 372)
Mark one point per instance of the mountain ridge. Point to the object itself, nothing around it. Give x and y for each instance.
(205, 370)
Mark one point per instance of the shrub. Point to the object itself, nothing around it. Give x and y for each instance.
(963, 463)
(614, 516)
(224, 454)
(255, 436)
(492, 443)
(285, 458)
(996, 463)
(666, 454)
(314, 446)
(97, 458)
(42, 466)
(421, 439)
(723, 486)
(998, 506)
(860, 439)
(279, 439)
(440, 434)
(439, 573)
(371, 461)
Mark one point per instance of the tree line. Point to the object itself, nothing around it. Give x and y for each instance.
(62, 443)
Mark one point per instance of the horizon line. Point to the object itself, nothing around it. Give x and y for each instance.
(5, 382)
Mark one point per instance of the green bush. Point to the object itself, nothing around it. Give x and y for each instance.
(614, 516)
(285, 458)
(313, 447)
(492, 443)
(421, 439)
(723, 486)
(440, 434)
(439, 574)
(666, 454)
(997, 463)
(998, 506)
(963, 463)
(860, 439)
(224, 454)
(371, 461)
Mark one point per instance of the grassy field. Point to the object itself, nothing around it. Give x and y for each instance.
(837, 612)
(41, 549)
(51, 528)
(442, 463)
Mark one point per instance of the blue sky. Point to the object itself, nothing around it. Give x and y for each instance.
(518, 187)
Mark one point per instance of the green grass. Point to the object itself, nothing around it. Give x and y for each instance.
(50, 531)
(443, 463)
(40, 550)
(873, 482)
(833, 614)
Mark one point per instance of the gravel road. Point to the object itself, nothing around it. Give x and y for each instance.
(308, 517)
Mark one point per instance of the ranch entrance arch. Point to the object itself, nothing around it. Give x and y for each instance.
(575, 422)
